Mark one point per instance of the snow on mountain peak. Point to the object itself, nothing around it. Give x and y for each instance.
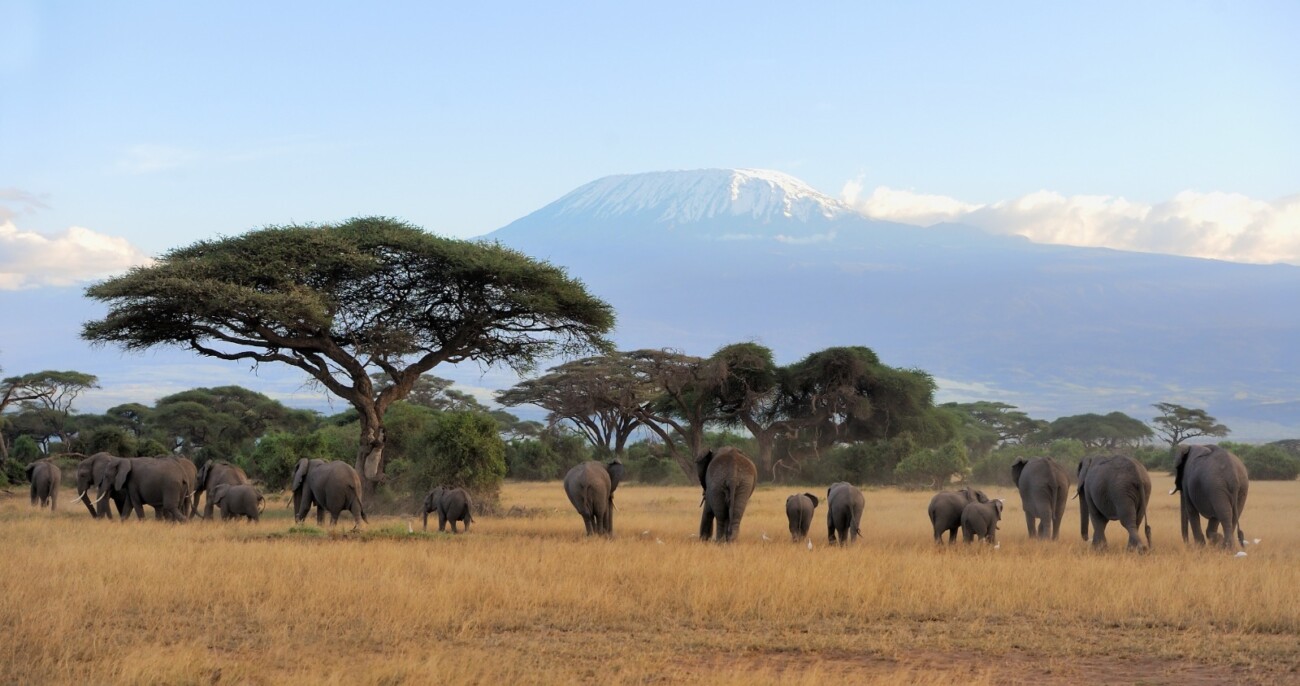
(678, 197)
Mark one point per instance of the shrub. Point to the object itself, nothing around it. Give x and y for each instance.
(1267, 462)
(934, 467)
(462, 449)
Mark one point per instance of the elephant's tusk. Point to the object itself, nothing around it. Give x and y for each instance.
(81, 494)
(102, 497)
(1172, 490)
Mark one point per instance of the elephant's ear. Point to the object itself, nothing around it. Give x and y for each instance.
(1017, 467)
(202, 479)
(702, 466)
(616, 471)
(1180, 462)
(1080, 472)
(814, 500)
(219, 494)
(123, 470)
(300, 473)
(30, 468)
(979, 496)
(997, 505)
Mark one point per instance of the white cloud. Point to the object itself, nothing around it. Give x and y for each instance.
(1226, 226)
(29, 259)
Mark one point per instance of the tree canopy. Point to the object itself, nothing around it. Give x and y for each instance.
(343, 301)
(1177, 423)
(1097, 432)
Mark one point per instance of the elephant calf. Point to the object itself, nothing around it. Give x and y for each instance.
(238, 500)
(945, 511)
(45, 478)
(981, 519)
(844, 505)
(451, 504)
(799, 510)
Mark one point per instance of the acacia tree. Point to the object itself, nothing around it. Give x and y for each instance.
(602, 397)
(987, 424)
(343, 301)
(751, 393)
(687, 400)
(49, 390)
(1177, 423)
(1099, 432)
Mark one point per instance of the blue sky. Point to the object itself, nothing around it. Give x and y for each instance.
(127, 128)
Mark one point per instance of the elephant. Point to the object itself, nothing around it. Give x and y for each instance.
(1213, 483)
(159, 482)
(799, 510)
(844, 504)
(451, 504)
(981, 519)
(727, 478)
(332, 486)
(237, 500)
(1114, 487)
(90, 473)
(45, 477)
(1044, 487)
(945, 511)
(212, 474)
(590, 487)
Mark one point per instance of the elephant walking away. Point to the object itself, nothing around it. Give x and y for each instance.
(215, 473)
(159, 482)
(237, 500)
(981, 519)
(590, 487)
(799, 510)
(1044, 487)
(945, 511)
(451, 505)
(1213, 483)
(330, 486)
(90, 474)
(1114, 488)
(844, 505)
(45, 477)
(727, 477)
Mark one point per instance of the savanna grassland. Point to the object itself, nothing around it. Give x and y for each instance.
(525, 598)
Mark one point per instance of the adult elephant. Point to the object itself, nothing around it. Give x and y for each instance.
(844, 505)
(1213, 484)
(330, 486)
(590, 487)
(727, 477)
(945, 511)
(190, 501)
(90, 474)
(45, 477)
(215, 473)
(1044, 487)
(451, 505)
(159, 482)
(1114, 488)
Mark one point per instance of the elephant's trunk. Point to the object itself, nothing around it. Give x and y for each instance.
(1182, 506)
(1083, 513)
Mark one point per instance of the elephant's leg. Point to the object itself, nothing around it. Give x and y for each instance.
(426, 521)
(1029, 523)
(1098, 529)
(442, 522)
(35, 498)
(334, 518)
(320, 515)
(588, 521)
(706, 523)
(1194, 521)
(1044, 528)
(466, 522)
(207, 507)
(724, 525)
(952, 534)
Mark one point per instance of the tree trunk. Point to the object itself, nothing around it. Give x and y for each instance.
(370, 451)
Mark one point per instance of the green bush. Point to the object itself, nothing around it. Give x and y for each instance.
(996, 468)
(277, 453)
(109, 439)
(546, 458)
(934, 467)
(1268, 463)
(462, 449)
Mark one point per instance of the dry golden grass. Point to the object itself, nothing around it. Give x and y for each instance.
(526, 598)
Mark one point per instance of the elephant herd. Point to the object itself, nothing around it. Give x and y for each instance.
(1212, 483)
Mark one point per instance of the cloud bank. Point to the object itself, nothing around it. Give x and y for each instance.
(1225, 226)
(29, 259)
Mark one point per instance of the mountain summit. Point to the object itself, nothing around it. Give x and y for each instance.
(709, 199)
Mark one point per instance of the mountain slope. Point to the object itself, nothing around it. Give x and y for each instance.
(695, 260)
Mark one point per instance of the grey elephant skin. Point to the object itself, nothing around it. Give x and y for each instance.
(981, 519)
(844, 505)
(727, 477)
(1113, 488)
(215, 473)
(799, 511)
(331, 486)
(1212, 483)
(451, 505)
(590, 487)
(90, 474)
(1044, 487)
(45, 477)
(237, 500)
(159, 482)
(945, 511)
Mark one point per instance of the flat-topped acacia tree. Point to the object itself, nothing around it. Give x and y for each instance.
(343, 301)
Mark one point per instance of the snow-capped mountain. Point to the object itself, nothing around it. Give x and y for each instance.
(698, 259)
(711, 202)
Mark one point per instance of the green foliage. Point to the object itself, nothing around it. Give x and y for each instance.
(25, 451)
(648, 462)
(1176, 423)
(934, 467)
(545, 458)
(985, 425)
(1154, 457)
(111, 439)
(1099, 432)
(277, 453)
(462, 449)
(1269, 462)
(995, 469)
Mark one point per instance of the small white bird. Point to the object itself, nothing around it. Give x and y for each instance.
(765, 538)
(409, 529)
(1240, 554)
(660, 541)
(1257, 541)
(810, 544)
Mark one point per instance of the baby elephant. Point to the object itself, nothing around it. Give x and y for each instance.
(981, 519)
(238, 500)
(799, 510)
(451, 504)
